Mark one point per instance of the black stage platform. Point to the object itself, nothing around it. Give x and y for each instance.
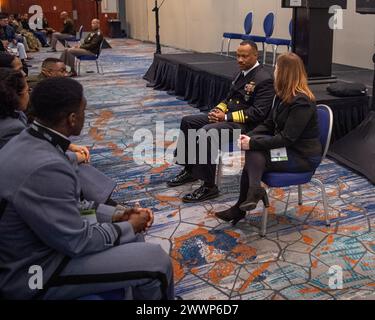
(203, 79)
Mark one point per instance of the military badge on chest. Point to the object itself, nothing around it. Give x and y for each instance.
(249, 90)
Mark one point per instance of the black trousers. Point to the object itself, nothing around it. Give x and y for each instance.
(204, 170)
(259, 162)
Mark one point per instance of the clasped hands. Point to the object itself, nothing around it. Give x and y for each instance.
(82, 153)
(216, 115)
(141, 219)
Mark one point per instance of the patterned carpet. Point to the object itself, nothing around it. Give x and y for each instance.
(213, 260)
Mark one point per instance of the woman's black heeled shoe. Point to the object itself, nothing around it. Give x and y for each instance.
(254, 195)
(238, 218)
(233, 214)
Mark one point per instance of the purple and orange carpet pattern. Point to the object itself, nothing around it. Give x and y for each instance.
(212, 259)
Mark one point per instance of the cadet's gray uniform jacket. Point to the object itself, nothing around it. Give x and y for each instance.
(41, 224)
(95, 185)
(11, 126)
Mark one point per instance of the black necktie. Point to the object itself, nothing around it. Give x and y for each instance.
(240, 77)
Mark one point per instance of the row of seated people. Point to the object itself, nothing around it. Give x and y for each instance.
(43, 197)
(42, 35)
(33, 39)
(13, 32)
(12, 42)
(276, 118)
(89, 47)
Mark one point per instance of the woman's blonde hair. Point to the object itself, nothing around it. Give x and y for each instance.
(291, 78)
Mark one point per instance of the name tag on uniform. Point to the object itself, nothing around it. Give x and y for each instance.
(278, 155)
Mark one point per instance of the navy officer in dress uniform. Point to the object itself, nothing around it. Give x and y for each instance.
(247, 105)
(90, 47)
(41, 223)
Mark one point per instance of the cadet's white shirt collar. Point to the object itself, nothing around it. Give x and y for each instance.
(245, 73)
(54, 131)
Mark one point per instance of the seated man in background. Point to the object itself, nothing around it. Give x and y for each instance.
(17, 27)
(89, 47)
(67, 32)
(26, 29)
(40, 221)
(247, 105)
(8, 38)
(46, 30)
(51, 68)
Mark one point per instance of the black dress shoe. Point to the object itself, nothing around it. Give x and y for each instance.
(201, 194)
(234, 214)
(254, 195)
(182, 178)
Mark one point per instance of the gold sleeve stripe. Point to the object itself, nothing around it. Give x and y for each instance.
(236, 117)
(239, 116)
(223, 107)
(242, 116)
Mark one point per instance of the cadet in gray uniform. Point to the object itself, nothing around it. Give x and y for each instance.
(89, 47)
(95, 185)
(41, 225)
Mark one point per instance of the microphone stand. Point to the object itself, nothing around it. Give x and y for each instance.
(156, 9)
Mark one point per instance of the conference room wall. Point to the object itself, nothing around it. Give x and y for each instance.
(355, 44)
(198, 25)
(137, 19)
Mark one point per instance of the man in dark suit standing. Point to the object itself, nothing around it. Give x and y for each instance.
(247, 105)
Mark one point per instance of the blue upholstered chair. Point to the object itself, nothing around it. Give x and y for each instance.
(248, 25)
(74, 38)
(285, 179)
(90, 58)
(268, 27)
(276, 42)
